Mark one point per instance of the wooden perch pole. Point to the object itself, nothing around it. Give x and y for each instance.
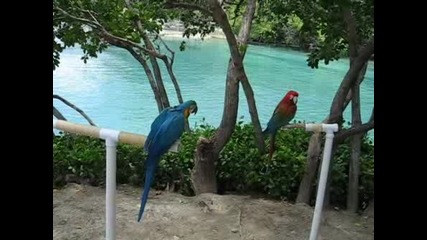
(91, 131)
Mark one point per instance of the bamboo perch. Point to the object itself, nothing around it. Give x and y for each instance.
(124, 137)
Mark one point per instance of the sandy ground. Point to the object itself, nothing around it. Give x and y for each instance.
(79, 210)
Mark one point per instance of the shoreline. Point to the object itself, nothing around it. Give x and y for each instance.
(176, 33)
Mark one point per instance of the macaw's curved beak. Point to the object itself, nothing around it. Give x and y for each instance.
(295, 99)
(194, 110)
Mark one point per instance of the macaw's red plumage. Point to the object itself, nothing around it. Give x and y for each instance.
(282, 115)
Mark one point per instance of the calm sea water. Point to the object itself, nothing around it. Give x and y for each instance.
(114, 91)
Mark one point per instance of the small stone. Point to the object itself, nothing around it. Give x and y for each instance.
(175, 237)
(62, 222)
(234, 230)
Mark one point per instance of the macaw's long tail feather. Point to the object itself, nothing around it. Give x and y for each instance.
(272, 145)
(149, 174)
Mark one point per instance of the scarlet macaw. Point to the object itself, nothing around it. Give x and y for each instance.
(166, 129)
(282, 115)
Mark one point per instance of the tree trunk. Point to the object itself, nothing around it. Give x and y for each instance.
(157, 73)
(354, 172)
(337, 141)
(149, 74)
(153, 60)
(169, 65)
(369, 211)
(259, 140)
(203, 175)
(327, 200)
(335, 115)
(306, 185)
(174, 81)
(354, 165)
(208, 151)
(247, 88)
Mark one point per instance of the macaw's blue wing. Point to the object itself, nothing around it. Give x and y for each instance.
(276, 122)
(156, 125)
(163, 138)
(168, 133)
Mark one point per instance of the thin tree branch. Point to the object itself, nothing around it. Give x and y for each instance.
(343, 134)
(149, 74)
(350, 77)
(172, 58)
(352, 36)
(221, 18)
(75, 108)
(58, 114)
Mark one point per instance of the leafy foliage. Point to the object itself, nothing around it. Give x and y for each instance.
(84, 22)
(241, 168)
(317, 26)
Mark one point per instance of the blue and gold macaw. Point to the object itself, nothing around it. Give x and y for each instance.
(166, 129)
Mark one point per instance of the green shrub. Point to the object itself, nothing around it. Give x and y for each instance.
(240, 168)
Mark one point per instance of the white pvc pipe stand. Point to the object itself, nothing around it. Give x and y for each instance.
(111, 138)
(329, 129)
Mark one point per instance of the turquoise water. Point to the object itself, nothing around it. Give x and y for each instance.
(113, 90)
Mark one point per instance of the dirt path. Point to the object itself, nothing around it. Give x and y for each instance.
(79, 210)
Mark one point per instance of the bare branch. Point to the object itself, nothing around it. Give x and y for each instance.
(149, 74)
(243, 37)
(350, 77)
(342, 135)
(75, 108)
(172, 58)
(169, 66)
(352, 36)
(221, 18)
(58, 114)
(247, 22)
